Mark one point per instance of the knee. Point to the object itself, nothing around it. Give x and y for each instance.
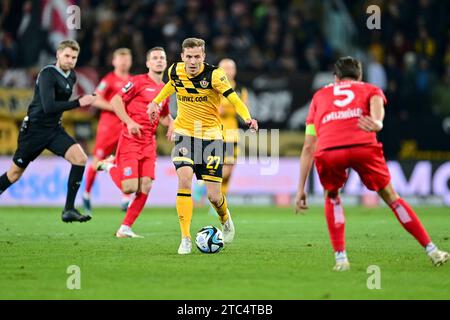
(81, 160)
(14, 175)
(332, 194)
(214, 197)
(129, 188)
(185, 183)
(146, 186)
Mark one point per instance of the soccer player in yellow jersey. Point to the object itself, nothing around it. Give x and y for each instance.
(198, 132)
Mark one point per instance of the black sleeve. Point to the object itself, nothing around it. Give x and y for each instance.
(46, 84)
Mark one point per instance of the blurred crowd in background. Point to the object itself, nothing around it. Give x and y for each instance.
(409, 57)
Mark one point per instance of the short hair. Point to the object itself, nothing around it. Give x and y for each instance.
(348, 67)
(192, 43)
(155, 49)
(72, 44)
(122, 52)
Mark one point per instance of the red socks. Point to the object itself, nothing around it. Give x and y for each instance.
(90, 178)
(334, 212)
(135, 209)
(409, 220)
(116, 177)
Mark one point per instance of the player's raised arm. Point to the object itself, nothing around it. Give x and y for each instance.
(166, 91)
(119, 108)
(374, 122)
(221, 84)
(101, 103)
(47, 92)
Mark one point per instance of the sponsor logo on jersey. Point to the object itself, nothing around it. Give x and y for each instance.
(127, 87)
(192, 99)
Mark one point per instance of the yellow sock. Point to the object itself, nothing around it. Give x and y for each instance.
(222, 209)
(224, 187)
(185, 206)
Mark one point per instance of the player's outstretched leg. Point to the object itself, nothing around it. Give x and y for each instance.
(219, 202)
(334, 213)
(8, 178)
(70, 214)
(135, 208)
(411, 222)
(90, 179)
(185, 207)
(77, 158)
(109, 166)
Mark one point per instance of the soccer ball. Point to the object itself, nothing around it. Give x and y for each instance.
(209, 240)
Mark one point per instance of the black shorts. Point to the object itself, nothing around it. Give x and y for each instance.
(204, 156)
(33, 139)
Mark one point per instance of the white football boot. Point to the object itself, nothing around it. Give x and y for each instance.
(341, 266)
(185, 246)
(342, 263)
(228, 229)
(438, 257)
(126, 232)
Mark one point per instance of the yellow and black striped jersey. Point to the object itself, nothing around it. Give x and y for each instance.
(198, 100)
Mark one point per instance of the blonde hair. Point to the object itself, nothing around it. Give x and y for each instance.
(192, 43)
(72, 44)
(154, 49)
(122, 52)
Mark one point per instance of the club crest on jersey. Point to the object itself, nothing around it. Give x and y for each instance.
(204, 83)
(127, 87)
(127, 171)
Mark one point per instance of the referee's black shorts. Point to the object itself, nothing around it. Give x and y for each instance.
(33, 139)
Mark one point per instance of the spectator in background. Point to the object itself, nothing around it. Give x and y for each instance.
(375, 72)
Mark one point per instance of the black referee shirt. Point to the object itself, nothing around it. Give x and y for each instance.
(51, 96)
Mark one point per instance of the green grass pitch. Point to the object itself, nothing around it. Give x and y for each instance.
(276, 255)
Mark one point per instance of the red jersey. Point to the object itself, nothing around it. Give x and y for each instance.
(136, 95)
(107, 88)
(335, 110)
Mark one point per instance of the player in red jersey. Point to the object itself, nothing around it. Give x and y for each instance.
(109, 125)
(342, 123)
(134, 167)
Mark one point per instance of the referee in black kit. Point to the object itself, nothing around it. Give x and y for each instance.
(41, 129)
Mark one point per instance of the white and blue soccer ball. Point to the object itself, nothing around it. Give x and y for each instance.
(209, 240)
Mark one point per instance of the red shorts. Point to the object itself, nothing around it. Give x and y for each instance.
(367, 160)
(135, 160)
(108, 135)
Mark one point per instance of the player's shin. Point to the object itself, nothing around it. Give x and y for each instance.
(90, 178)
(221, 209)
(409, 220)
(116, 177)
(75, 177)
(135, 209)
(334, 213)
(4, 183)
(185, 207)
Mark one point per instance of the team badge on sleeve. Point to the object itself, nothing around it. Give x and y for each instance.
(127, 87)
(101, 86)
